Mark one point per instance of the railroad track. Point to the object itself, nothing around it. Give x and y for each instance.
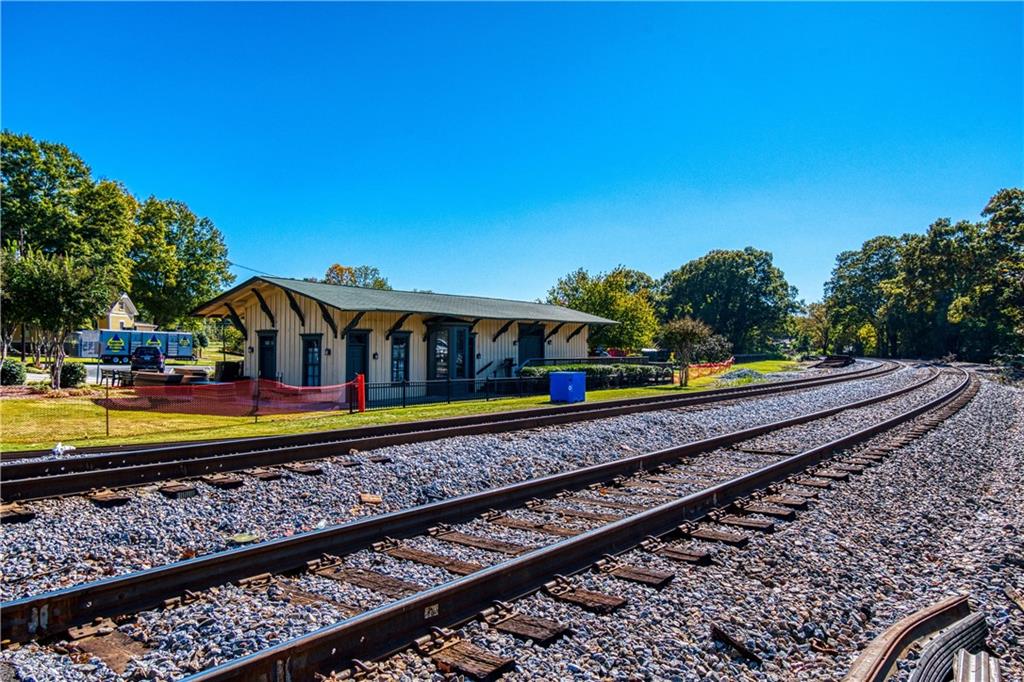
(97, 473)
(588, 523)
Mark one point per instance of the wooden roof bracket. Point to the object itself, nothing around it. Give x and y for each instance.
(352, 324)
(575, 332)
(397, 326)
(236, 319)
(504, 328)
(328, 319)
(264, 307)
(295, 306)
(554, 331)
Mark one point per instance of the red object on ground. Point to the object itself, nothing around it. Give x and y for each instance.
(361, 392)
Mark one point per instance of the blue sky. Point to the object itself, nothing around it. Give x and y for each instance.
(492, 148)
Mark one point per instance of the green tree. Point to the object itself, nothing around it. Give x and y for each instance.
(741, 294)
(16, 298)
(957, 288)
(855, 296)
(68, 294)
(613, 295)
(51, 204)
(683, 337)
(356, 276)
(180, 261)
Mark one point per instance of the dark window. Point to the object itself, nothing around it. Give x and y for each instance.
(459, 352)
(311, 359)
(399, 357)
(267, 355)
(439, 353)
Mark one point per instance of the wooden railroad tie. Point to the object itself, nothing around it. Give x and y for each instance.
(500, 519)
(264, 474)
(107, 498)
(609, 504)
(395, 549)
(731, 636)
(598, 602)
(791, 501)
(222, 481)
(295, 595)
(503, 618)
(763, 525)
(764, 508)
(812, 482)
(305, 468)
(637, 574)
(708, 534)
(389, 586)
(541, 506)
(177, 490)
(452, 654)
(675, 552)
(102, 639)
(445, 532)
(13, 512)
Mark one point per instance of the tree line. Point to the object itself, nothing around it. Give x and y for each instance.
(725, 301)
(955, 290)
(72, 243)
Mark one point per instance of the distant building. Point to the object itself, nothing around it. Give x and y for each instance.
(122, 314)
(312, 334)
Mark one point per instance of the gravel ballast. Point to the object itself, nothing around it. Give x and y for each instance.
(72, 541)
(850, 554)
(939, 517)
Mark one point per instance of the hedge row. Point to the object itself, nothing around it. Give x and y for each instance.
(627, 374)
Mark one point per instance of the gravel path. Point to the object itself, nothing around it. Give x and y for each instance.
(72, 541)
(837, 576)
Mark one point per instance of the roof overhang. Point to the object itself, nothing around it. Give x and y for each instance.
(218, 307)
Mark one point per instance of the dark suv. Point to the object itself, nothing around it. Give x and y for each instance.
(147, 358)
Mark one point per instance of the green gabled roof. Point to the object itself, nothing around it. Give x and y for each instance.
(363, 299)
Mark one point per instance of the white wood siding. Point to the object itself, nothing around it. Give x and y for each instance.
(332, 371)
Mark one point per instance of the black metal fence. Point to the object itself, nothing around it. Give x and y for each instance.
(405, 393)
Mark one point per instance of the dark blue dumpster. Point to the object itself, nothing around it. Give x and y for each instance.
(568, 387)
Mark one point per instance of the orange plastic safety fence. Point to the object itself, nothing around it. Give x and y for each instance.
(247, 397)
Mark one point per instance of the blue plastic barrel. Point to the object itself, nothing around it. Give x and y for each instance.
(568, 387)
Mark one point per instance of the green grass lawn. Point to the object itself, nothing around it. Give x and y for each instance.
(39, 422)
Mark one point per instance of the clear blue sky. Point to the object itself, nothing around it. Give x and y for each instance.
(491, 148)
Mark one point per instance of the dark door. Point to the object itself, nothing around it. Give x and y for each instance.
(311, 360)
(355, 354)
(531, 342)
(268, 355)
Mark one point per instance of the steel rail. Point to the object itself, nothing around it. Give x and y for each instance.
(53, 478)
(391, 628)
(876, 661)
(53, 612)
(204, 447)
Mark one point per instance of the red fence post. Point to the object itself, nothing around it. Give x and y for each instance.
(361, 391)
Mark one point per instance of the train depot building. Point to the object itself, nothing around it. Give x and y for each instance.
(312, 334)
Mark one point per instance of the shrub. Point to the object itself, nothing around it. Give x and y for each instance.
(603, 375)
(715, 349)
(72, 374)
(12, 373)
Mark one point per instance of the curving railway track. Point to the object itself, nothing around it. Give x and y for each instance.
(38, 477)
(712, 489)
